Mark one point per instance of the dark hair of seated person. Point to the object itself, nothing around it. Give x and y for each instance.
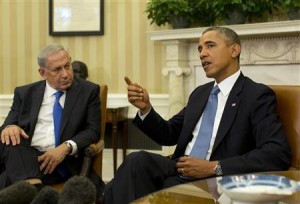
(80, 69)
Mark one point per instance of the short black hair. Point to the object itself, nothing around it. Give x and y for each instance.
(229, 35)
(80, 69)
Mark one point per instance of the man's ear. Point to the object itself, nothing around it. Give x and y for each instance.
(236, 50)
(42, 72)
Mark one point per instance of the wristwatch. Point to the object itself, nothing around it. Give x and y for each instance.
(69, 145)
(218, 170)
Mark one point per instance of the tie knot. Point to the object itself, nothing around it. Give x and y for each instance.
(215, 90)
(58, 94)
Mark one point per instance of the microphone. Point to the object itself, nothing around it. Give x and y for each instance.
(78, 190)
(20, 192)
(47, 195)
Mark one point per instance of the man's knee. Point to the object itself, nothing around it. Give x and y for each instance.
(137, 157)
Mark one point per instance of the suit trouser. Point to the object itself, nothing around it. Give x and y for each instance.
(20, 163)
(141, 173)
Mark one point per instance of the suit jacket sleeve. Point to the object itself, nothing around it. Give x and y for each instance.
(166, 132)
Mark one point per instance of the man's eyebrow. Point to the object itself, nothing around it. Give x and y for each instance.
(206, 43)
(67, 63)
(209, 42)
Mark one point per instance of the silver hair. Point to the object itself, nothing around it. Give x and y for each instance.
(48, 50)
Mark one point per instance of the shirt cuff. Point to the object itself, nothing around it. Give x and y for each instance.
(74, 146)
(142, 117)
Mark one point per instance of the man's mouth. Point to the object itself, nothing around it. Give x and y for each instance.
(65, 82)
(205, 64)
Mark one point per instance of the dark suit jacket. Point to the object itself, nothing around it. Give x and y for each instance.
(80, 120)
(250, 137)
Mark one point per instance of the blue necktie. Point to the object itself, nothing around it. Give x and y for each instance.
(57, 114)
(202, 142)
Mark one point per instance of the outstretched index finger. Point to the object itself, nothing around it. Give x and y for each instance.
(128, 81)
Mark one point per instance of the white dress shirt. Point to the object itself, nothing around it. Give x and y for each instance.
(225, 87)
(43, 138)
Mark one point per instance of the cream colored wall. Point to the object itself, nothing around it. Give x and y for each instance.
(124, 49)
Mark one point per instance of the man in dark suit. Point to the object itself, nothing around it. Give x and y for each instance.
(29, 147)
(247, 135)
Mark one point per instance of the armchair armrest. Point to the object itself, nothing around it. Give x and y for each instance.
(94, 149)
(89, 152)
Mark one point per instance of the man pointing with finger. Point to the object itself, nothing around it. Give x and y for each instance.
(228, 126)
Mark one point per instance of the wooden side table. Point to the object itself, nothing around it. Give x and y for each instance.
(115, 116)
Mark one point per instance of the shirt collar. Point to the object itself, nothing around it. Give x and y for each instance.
(49, 91)
(226, 85)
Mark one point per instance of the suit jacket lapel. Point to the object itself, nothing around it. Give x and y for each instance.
(193, 112)
(230, 111)
(196, 108)
(71, 97)
(37, 99)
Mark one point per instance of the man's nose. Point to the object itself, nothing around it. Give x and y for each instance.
(202, 54)
(64, 72)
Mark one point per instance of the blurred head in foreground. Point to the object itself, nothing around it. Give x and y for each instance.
(20, 192)
(78, 190)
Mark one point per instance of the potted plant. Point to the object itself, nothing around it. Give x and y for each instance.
(161, 12)
(203, 12)
(240, 11)
(292, 7)
(187, 12)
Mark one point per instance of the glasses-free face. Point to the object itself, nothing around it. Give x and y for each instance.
(58, 72)
(219, 60)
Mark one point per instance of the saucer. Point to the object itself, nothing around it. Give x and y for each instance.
(257, 188)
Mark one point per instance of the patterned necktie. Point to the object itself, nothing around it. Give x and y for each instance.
(202, 142)
(57, 114)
